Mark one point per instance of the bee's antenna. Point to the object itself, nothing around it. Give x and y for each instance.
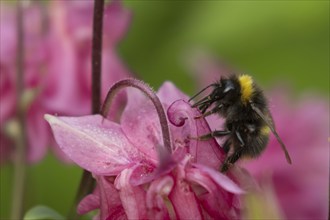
(201, 91)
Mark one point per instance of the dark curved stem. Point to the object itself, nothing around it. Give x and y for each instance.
(97, 55)
(143, 87)
(87, 182)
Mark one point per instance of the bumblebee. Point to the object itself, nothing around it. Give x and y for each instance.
(248, 122)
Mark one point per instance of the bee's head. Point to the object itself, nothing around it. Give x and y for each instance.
(225, 91)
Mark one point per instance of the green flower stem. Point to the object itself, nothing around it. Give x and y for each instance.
(87, 182)
(19, 177)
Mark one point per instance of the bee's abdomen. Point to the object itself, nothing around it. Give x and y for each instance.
(255, 135)
(257, 141)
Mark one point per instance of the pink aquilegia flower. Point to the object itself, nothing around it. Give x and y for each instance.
(57, 65)
(148, 166)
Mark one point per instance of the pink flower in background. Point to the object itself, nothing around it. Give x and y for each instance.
(301, 189)
(136, 176)
(57, 65)
(69, 77)
(36, 57)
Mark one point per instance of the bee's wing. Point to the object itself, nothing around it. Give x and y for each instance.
(270, 123)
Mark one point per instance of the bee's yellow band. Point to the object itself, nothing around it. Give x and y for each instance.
(247, 90)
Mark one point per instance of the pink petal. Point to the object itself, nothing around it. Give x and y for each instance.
(182, 115)
(168, 93)
(168, 161)
(141, 124)
(89, 203)
(223, 208)
(158, 190)
(106, 198)
(133, 197)
(183, 198)
(146, 172)
(216, 202)
(222, 180)
(94, 143)
(143, 173)
(111, 205)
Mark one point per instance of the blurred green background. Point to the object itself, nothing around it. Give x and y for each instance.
(278, 42)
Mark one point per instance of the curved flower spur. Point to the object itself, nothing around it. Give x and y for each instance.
(145, 167)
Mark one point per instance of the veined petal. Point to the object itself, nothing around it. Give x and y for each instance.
(89, 203)
(133, 198)
(183, 198)
(140, 123)
(219, 178)
(143, 173)
(94, 143)
(182, 115)
(146, 172)
(218, 203)
(106, 198)
(157, 193)
(110, 204)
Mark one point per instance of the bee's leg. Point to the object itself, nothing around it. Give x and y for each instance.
(213, 134)
(240, 139)
(236, 155)
(231, 160)
(203, 101)
(204, 107)
(224, 167)
(226, 146)
(212, 111)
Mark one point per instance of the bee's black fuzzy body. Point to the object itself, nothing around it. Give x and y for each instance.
(248, 122)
